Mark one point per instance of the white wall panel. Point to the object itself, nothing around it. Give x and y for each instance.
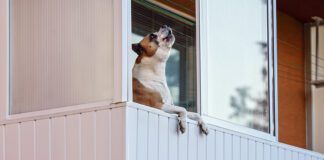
(295, 155)
(236, 147)
(151, 135)
(118, 134)
(267, 152)
(163, 137)
(308, 157)
(132, 133)
(192, 141)
(244, 149)
(281, 154)
(42, 135)
(73, 137)
(87, 136)
(301, 156)
(142, 133)
(211, 145)
(228, 147)
(58, 138)
(82, 136)
(12, 142)
(252, 150)
(201, 145)
(274, 152)
(103, 138)
(259, 151)
(220, 144)
(183, 145)
(2, 142)
(288, 154)
(27, 137)
(173, 139)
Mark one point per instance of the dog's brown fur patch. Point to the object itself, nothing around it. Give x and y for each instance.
(146, 96)
(148, 49)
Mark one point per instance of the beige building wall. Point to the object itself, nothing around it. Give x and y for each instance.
(318, 95)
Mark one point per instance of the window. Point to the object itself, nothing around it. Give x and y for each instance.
(61, 53)
(149, 16)
(234, 67)
(237, 63)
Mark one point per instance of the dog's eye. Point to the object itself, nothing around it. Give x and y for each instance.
(153, 36)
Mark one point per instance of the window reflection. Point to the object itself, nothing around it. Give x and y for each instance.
(238, 62)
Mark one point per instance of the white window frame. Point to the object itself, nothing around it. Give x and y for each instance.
(202, 63)
(121, 46)
(201, 34)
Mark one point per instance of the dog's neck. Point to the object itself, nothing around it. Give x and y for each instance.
(150, 71)
(152, 68)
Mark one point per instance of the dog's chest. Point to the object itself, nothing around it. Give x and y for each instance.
(159, 87)
(153, 81)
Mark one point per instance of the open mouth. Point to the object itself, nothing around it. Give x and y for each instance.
(168, 37)
(167, 29)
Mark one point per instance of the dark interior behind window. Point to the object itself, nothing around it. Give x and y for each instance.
(181, 66)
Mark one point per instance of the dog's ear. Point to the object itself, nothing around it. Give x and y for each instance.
(136, 47)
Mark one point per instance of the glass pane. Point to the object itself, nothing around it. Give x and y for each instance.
(61, 53)
(181, 65)
(238, 62)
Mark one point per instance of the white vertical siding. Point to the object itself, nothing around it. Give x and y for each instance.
(244, 149)
(43, 139)
(103, 140)
(173, 139)
(142, 133)
(58, 139)
(118, 133)
(87, 136)
(92, 135)
(2, 143)
(73, 144)
(165, 143)
(163, 137)
(27, 138)
(133, 133)
(153, 140)
(12, 142)
(211, 145)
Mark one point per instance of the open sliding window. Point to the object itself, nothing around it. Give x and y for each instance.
(237, 65)
(222, 63)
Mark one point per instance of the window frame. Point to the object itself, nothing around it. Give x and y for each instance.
(201, 59)
(121, 47)
(201, 11)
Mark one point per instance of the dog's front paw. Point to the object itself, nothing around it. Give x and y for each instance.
(203, 127)
(182, 126)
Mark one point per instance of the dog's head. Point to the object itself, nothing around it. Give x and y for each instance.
(156, 45)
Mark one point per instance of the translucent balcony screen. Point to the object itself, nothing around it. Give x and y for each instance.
(61, 53)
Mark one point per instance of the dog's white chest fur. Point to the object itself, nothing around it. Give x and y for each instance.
(151, 73)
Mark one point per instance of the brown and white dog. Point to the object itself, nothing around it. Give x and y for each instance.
(149, 81)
